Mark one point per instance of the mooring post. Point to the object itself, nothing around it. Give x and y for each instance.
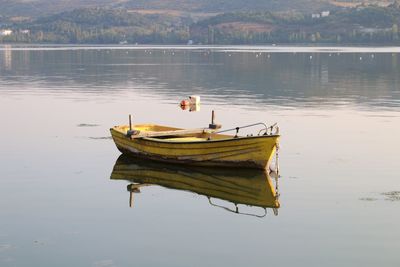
(213, 125)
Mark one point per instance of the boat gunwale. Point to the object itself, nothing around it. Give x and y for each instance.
(233, 138)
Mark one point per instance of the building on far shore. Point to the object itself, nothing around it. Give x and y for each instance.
(5, 32)
(323, 14)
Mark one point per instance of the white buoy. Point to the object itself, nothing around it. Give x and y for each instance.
(194, 99)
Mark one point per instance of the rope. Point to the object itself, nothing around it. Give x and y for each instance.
(246, 126)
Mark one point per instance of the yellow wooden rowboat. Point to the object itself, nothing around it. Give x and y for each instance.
(203, 147)
(249, 187)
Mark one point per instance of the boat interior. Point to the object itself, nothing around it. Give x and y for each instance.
(172, 134)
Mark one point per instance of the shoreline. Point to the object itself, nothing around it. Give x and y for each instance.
(214, 48)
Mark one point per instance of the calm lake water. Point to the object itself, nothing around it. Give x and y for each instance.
(339, 192)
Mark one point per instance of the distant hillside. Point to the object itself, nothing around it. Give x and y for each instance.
(37, 8)
(364, 24)
(228, 5)
(357, 25)
(100, 25)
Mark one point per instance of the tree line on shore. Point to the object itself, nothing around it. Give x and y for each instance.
(110, 26)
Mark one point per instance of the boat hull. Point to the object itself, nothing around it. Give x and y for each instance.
(241, 152)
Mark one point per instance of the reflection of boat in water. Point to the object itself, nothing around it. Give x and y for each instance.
(249, 187)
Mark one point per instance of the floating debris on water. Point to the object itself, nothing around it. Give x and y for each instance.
(392, 196)
(100, 137)
(87, 125)
(368, 199)
(39, 242)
